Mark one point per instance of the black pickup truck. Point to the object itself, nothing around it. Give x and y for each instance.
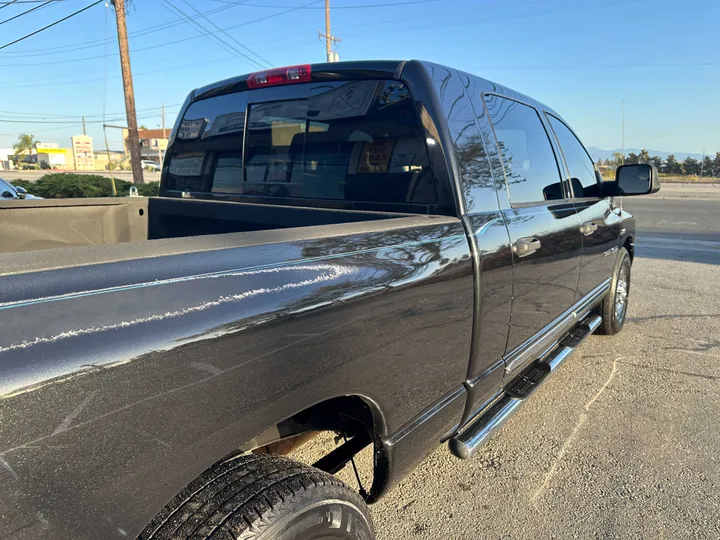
(397, 252)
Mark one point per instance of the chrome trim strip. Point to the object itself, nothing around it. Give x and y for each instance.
(477, 378)
(528, 351)
(425, 416)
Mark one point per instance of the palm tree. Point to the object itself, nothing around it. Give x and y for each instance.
(25, 145)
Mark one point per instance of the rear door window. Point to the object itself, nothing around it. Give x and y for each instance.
(349, 141)
(531, 169)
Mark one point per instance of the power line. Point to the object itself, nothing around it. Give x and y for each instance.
(469, 20)
(210, 35)
(50, 115)
(158, 28)
(51, 24)
(26, 12)
(364, 6)
(67, 125)
(152, 30)
(73, 80)
(83, 44)
(109, 119)
(6, 4)
(225, 33)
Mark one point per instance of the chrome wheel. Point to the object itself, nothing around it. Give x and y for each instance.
(621, 294)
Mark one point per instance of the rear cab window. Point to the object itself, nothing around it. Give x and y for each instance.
(352, 142)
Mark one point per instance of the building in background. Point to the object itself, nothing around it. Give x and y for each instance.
(153, 143)
(6, 155)
(117, 157)
(54, 156)
(80, 157)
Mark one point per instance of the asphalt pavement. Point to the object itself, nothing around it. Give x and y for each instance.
(624, 440)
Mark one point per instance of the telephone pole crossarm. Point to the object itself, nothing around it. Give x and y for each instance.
(330, 40)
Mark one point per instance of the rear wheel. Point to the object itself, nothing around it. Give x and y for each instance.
(264, 497)
(614, 306)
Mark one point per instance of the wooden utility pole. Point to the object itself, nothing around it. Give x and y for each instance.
(329, 38)
(133, 140)
(162, 115)
(84, 132)
(328, 35)
(623, 134)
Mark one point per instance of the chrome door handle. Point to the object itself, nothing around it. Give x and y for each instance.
(525, 246)
(588, 228)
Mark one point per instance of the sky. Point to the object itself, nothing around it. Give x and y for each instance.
(583, 58)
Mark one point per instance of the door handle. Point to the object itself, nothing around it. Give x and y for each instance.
(525, 246)
(588, 228)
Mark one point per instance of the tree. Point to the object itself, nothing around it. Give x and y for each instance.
(644, 156)
(691, 166)
(716, 165)
(617, 159)
(632, 159)
(25, 145)
(707, 166)
(142, 126)
(655, 160)
(672, 166)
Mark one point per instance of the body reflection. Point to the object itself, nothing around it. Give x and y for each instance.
(185, 364)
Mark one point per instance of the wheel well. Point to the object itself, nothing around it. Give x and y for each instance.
(353, 419)
(629, 245)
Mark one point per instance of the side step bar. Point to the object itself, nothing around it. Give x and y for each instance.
(465, 444)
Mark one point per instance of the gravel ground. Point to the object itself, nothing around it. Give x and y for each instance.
(622, 442)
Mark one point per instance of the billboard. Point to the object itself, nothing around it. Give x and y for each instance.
(83, 153)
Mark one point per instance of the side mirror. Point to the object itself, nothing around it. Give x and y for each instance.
(640, 179)
(21, 191)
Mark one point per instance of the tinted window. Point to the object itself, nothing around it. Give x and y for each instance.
(476, 180)
(530, 167)
(5, 188)
(355, 141)
(580, 165)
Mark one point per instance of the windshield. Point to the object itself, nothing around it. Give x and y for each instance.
(351, 141)
(6, 186)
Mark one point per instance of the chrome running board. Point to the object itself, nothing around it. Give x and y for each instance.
(479, 429)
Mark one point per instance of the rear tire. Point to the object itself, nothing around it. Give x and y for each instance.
(613, 309)
(264, 497)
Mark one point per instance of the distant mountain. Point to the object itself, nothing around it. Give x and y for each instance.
(599, 153)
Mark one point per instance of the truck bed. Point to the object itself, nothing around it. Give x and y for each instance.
(44, 224)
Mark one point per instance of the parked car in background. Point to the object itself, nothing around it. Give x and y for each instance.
(335, 248)
(8, 191)
(150, 165)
